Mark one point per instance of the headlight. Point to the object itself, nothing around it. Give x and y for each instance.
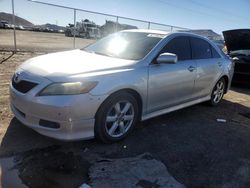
(71, 88)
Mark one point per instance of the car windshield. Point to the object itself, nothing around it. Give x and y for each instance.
(240, 52)
(125, 45)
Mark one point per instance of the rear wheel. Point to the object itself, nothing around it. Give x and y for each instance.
(218, 92)
(116, 117)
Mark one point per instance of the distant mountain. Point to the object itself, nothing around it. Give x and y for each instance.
(51, 26)
(19, 21)
(206, 33)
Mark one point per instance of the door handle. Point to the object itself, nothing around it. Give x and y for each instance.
(191, 68)
(220, 64)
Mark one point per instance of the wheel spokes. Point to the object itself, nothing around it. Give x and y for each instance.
(113, 128)
(128, 117)
(221, 85)
(111, 118)
(215, 98)
(122, 127)
(117, 108)
(119, 118)
(126, 108)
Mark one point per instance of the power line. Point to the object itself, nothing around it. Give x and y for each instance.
(215, 8)
(104, 14)
(195, 11)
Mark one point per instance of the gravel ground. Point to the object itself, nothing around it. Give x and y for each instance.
(39, 41)
(197, 150)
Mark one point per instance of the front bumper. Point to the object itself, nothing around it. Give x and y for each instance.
(74, 113)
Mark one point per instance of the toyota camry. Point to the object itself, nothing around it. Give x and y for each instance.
(104, 89)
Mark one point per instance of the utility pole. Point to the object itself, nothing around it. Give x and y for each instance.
(74, 28)
(14, 23)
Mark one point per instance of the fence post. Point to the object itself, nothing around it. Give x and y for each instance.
(171, 28)
(149, 25)
(116, 25)
(74, 28)
(14, 23)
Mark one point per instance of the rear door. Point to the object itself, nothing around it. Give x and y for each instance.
(172, 84)
(209, 66)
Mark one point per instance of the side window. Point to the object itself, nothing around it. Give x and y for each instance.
(179, 46)
(214, 52)
(200, 49)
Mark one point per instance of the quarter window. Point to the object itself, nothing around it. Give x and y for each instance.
(179, 46)
(214, 53)
(200, 49)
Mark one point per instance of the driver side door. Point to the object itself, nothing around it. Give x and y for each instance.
(172, 84)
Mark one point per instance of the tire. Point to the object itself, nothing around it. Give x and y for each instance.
(87, 35)
(116, 117)
(218, 92)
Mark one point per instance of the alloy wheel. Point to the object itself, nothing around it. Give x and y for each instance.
(218, 91)
(119, 119)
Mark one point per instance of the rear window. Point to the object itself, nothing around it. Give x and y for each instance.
(214, 52)
(200, 49)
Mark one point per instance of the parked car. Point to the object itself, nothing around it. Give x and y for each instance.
(5, 25)
(19, 27)
(2, 24)
(238, 47)
(102, 90)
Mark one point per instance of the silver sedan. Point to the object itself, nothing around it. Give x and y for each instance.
(103, 89)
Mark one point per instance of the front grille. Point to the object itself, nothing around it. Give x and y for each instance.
(23, 86)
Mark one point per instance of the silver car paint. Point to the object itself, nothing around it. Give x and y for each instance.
(163, 87)
(169, 85)
(63, 66)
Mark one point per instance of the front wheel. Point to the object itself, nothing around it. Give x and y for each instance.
(116, 117)
(218, 92)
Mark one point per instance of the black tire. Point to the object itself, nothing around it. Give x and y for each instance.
(108, 107)
(87, 35)
(213, 101)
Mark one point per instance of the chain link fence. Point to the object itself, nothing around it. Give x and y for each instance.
(77, 29)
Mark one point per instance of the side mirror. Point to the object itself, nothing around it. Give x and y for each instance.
(236, 59)
(167, 58)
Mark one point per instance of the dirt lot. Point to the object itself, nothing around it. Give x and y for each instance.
(39, 41)
(197, 150)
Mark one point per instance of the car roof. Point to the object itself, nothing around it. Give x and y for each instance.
(165, 32)
(147, 31)
(176, 33)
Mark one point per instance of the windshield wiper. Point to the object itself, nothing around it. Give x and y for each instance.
(101, 53)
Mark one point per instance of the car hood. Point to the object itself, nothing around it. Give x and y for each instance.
(71, 63)
(238, 39)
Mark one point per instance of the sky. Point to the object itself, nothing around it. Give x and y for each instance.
(218, 15)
